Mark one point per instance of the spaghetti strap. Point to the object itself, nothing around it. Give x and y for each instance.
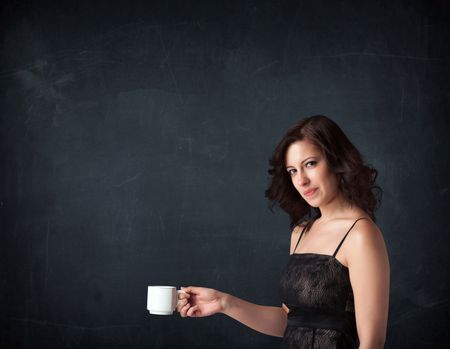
(299, 238)
(340, 244)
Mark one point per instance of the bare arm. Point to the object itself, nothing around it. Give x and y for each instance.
(369, 275)
(266, 319)
(201, 301)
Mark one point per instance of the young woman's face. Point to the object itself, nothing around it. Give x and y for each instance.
(310, 174)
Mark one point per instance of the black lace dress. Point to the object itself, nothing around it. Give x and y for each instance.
(316, 288)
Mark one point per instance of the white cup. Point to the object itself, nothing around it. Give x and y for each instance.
(162, 300)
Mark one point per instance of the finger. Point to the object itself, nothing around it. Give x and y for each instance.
(183, 295)
(190, 289)
(184, 310)
(192, 310)
(181, 304)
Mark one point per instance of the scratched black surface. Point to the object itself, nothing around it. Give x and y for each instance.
(134, 148)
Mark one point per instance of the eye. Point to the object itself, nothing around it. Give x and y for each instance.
(311, 162)
(290, 171)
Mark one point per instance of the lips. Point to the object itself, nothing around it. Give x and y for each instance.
(310, 192)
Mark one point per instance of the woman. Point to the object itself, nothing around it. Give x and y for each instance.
(335, 287)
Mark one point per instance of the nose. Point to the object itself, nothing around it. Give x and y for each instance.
(302, 179)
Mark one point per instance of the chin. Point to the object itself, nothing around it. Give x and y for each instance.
(312, 203)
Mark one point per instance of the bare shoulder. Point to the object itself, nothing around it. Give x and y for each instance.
(296, 234)
(297, 229)
(365, 231)
(365, 238)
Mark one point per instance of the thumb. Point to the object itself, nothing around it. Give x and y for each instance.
(190, 289)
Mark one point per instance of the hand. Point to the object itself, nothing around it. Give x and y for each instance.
(200, 301)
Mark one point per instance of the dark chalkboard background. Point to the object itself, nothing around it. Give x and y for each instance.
(134, 151)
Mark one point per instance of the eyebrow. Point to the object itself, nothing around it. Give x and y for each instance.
(310, 157)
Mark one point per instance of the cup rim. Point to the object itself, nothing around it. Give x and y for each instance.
(156, 286)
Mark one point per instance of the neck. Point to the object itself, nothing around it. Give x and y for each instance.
(335, 208)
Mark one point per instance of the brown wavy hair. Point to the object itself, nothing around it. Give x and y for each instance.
(356, 180)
